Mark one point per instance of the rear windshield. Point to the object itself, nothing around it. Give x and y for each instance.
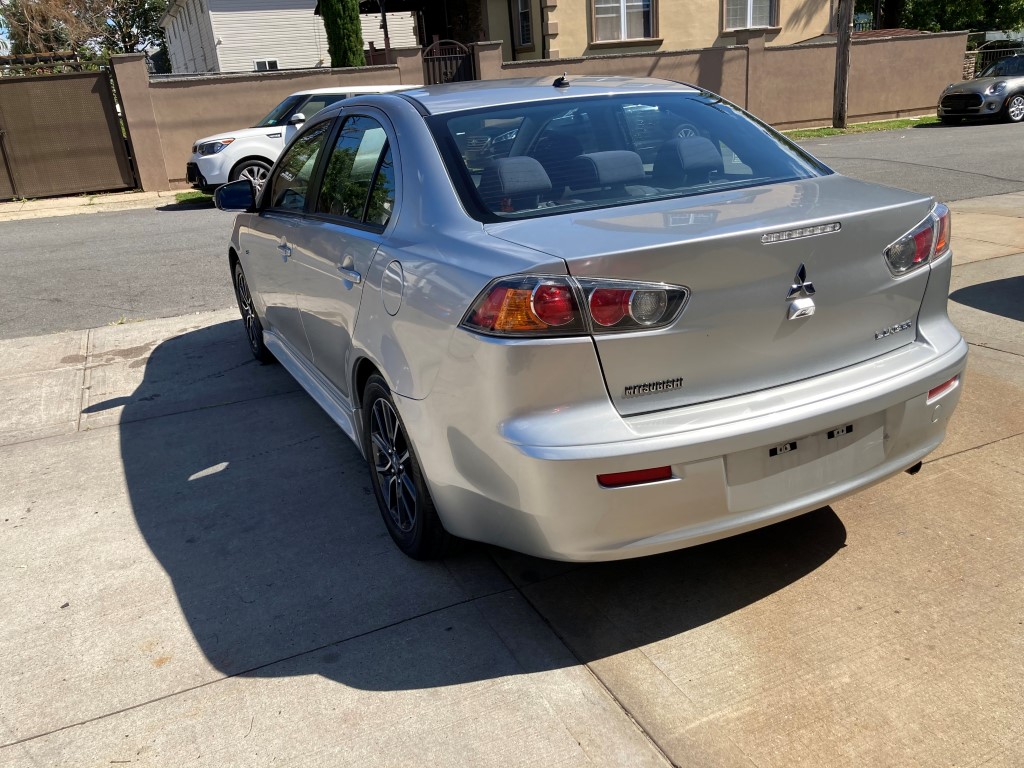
(542, 158)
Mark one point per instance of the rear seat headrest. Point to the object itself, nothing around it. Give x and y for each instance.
(513, 178)
(602, 169)
(686, 161)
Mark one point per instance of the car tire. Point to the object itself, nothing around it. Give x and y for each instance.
(685, 131)
(1013, 109)
(256, 171)
(251, 320)
(951, 120)
(416, 530)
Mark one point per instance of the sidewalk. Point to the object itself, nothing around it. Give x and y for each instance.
(193, 571)
(19, 210)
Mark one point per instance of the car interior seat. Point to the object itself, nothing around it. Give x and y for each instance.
(555, 152)
(610, 174)
(514, 184)
(686, 162)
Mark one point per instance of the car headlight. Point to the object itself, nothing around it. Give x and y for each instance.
(996, 87)
(213, 147)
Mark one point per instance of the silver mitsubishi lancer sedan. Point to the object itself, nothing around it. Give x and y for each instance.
(595, 318)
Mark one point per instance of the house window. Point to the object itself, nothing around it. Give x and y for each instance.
(749, 14)
(265, 65)
(525, 31)
(623, 19)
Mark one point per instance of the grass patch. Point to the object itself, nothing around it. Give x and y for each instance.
(194, 197)
(881, 125)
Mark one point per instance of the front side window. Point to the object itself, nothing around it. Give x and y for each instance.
(358, 161)
(748, 14)
(290, 183)
(623, 20)
(596, 152)
(317, 102)
(279, 115)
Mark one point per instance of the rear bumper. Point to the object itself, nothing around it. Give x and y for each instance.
(530, 483)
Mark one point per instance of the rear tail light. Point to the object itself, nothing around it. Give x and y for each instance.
(636, 477)
(936, 392)
(922, 244)
(543, 305)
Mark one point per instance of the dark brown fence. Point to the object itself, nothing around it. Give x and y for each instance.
(61, 135)
(447, 61)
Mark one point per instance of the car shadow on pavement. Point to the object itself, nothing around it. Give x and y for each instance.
(261, 513)
(998, 297)
(202, 205)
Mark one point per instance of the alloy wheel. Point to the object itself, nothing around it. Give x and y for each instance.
(392, 465)
(1015, 108)
(252, 323)
(256, 174)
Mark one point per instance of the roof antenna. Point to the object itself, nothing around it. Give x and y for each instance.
(562, 82)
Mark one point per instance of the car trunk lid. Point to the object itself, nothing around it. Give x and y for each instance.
(736, 334)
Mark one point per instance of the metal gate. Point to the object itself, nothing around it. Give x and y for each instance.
(61, 135)
(447, 61)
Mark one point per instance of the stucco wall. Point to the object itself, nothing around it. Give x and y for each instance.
(787, 86)
(722, 70)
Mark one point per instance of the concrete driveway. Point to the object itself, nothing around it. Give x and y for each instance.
(193, 571)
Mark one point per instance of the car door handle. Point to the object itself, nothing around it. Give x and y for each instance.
(350, 274)
(285, 250)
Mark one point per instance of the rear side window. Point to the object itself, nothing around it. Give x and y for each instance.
(360, 161)
(546, 157)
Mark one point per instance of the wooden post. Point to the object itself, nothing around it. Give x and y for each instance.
(844, 31)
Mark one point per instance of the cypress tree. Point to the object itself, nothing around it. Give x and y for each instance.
(344, 35)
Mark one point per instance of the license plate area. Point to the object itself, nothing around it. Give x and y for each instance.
(779, 472)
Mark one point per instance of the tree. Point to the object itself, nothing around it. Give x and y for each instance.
(344, 34)
(936, 15)
(91, 26)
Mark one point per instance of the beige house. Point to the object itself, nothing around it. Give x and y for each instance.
(539, 29)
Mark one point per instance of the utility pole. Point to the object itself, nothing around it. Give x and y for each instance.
(844, 31)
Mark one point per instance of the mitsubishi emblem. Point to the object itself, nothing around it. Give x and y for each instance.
(801, 285)
(800, 292)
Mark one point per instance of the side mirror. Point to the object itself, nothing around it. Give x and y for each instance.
(236, 196)
(297, 119)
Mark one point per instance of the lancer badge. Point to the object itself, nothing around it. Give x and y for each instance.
(799, 296)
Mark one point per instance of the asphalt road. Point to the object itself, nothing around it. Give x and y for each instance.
(952, 163)
(87, 271)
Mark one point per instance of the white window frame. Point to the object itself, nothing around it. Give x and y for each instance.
(772, 11)
(653, 5)
(266, 63)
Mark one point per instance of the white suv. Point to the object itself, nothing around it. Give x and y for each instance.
(248, 153)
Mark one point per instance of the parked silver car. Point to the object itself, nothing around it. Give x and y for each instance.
(998, 92)
(585, 352)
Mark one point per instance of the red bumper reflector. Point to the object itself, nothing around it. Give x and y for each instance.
(939, 391)
(619, 479)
